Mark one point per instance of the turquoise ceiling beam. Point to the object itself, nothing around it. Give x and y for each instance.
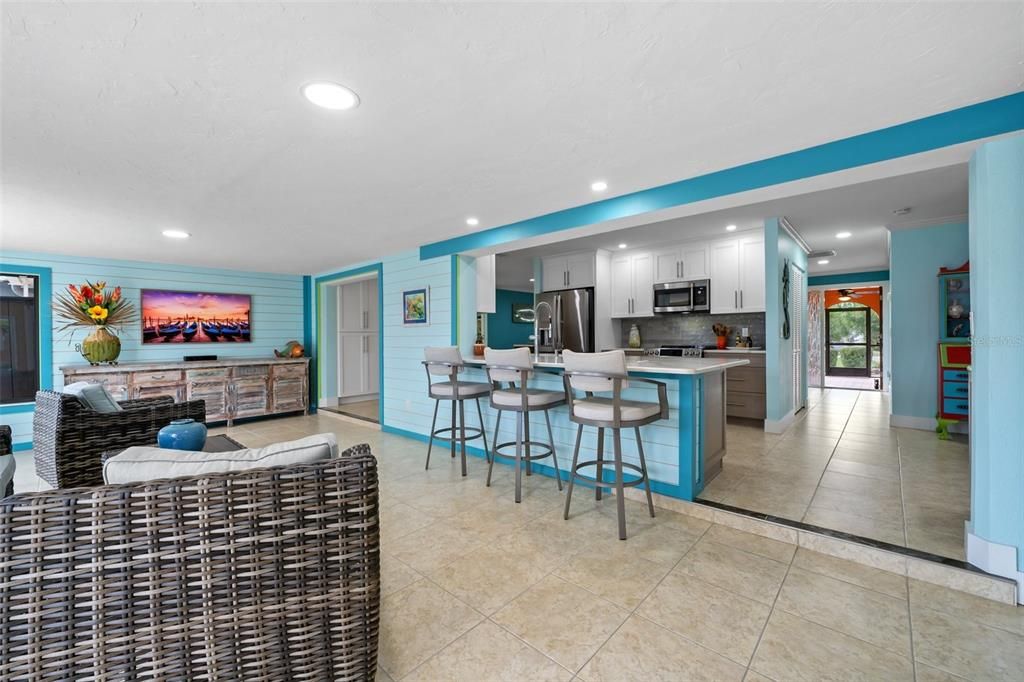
(974, 122)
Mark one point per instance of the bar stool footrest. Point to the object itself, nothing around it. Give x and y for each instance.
(632, 468)
(472, 433)
(547, 451)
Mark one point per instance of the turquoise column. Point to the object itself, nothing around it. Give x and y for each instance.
(996, 532)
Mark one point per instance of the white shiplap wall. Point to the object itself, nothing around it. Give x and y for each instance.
(277, 310)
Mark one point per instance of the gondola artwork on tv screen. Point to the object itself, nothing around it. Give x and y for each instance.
(195, 317)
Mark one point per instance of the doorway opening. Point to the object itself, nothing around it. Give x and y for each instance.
(351, 358)
(853, 338)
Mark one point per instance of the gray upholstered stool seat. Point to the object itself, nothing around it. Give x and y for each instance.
(447, 362)
(534, 398)
(514, 368)
(467, 389)
(606, 373)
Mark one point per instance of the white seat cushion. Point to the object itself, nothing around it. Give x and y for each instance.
(94, 396)
(600, 409)
(467, 389)
(137, 464)
(534, 397)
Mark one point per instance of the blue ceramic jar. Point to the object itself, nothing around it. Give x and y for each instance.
(182, 434)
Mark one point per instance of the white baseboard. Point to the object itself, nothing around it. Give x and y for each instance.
(773, 426)
(995, 558)
(923, 423)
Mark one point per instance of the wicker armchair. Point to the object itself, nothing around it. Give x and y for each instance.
(68, 437)
(268, 574)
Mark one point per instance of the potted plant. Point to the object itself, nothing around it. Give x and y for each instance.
(91, 306)
(722, 333)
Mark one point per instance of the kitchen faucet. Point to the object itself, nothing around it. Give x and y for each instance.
(536, 328)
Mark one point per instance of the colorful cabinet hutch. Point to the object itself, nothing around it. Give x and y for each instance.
(954, 346)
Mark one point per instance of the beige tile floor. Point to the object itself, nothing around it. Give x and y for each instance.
(476, 587)
(841, 466)
(364, 409)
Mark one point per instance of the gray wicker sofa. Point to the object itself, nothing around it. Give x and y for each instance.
(68, 438)
(267, 574)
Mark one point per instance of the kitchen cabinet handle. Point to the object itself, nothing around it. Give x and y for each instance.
(735, 299)
(682, 269)
(741, 298)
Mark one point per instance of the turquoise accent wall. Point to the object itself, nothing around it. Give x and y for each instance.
(502, 332)
(915, 257)
(277, 311)
(997, 402)
(780, 247)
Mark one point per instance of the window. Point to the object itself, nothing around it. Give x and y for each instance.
(19, 338)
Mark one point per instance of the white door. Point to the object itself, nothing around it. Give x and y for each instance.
(667, 266)
(581, 270)
(370, 301)
(643, 285)
(724, 259)
(797, 305)
(351, 364)
(751, 274)
(622, 286)
(372, 363)
(350, 307)
(694, 261)
(553, 274)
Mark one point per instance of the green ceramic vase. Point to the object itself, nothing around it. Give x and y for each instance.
(100, 346)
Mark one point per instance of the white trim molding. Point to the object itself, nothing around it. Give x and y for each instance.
(994, 558)
(773, 426)
(923, 423)
(791, 231)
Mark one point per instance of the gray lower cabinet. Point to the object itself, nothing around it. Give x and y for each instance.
(745, 386)
(232, 389)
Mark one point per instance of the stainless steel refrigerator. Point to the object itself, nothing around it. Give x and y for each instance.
(566, 322)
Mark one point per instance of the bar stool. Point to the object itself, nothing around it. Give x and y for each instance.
(447, 362)
(606, 373)
(516, 367)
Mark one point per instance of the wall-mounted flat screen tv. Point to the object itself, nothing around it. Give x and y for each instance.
(195, 317)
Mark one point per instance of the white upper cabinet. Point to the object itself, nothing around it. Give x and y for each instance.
(752, 282)
(632, 285)
(574, 271)
(694, 258)
(737, 274)
(681, 262)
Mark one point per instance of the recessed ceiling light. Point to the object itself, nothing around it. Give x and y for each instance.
(730, 228)
(823, 261)
(531, 279)
(472, 222)
(599, 186)
(176, 234)
(843, 235)
(330, 95)
(622, 246)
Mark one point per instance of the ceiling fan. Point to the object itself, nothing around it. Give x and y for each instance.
(849, 294)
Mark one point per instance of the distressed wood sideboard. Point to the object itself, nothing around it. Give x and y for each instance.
(232, 389)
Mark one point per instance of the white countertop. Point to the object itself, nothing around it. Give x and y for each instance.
(654, 365)
(733, 350)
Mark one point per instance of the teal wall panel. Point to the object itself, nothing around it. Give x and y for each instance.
(915, 257)
(997, 402)
(277, 310)
(502, 332)
(779, 248)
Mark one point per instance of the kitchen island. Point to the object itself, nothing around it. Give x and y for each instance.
(684, 452)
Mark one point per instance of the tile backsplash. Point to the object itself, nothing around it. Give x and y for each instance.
(695, 330)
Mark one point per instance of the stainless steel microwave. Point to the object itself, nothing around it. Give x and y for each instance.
(682, 297)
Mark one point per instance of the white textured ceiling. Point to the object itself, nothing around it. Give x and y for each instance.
(123, 119)
(865, 210)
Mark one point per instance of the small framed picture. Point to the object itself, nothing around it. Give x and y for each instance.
(414, 306)
(522, 313)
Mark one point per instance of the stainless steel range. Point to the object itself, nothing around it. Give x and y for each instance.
(681, 351)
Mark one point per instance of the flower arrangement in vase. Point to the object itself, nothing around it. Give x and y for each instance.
(722, 333)
(92, 306)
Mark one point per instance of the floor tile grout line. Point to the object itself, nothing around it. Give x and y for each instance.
(771, 610)
(910, 626)
(646, 596)
(817, 486)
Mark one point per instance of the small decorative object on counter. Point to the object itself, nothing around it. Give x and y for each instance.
(722, 333)
(478, 346)
(182, 434)
(292, 349)
(634, 336)
(91, 306)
